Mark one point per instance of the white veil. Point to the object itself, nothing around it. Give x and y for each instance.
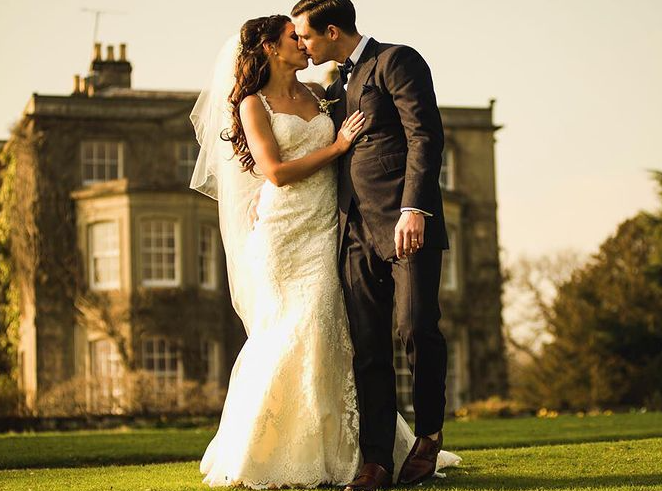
(218, 174)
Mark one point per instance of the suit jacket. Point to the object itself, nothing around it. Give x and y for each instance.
(396, 158)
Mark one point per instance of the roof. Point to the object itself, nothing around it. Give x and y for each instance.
(112, 104)
(146, 94)
(116, 102)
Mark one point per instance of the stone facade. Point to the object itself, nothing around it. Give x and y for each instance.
(122, 263)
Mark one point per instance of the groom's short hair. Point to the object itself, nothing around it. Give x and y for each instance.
(321, 13)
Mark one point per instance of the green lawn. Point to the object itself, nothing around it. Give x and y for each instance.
(622, 451)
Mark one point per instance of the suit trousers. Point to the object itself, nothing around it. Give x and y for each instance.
(370, 285)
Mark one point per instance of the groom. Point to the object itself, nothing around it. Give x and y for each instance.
(392, 232)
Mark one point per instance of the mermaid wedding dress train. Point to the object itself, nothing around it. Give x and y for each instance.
(290, 417)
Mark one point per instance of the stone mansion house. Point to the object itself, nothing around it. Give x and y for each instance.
(120, 266)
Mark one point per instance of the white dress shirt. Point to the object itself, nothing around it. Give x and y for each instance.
(356, 54)
(354, 57)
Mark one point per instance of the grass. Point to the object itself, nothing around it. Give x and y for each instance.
(618, 452)
(96, 448)
(545, 431)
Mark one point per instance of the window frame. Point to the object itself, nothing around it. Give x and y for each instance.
(189, 163)
(449, 276)
(213, 259)
(166, 374)
(448, 162)
(95, 145)
(210, 350)
(103, 286)
(160, 283)
(115, 392)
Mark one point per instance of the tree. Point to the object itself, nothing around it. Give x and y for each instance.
(530, 288)
(531, 285)
(606, 326)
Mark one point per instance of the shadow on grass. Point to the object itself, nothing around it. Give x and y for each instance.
(97, 461)
(144, 455)
(458, 478)
(89, 449)
(564, 440)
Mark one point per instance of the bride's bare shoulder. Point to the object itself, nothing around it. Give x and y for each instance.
(317, 88)
(251, 106)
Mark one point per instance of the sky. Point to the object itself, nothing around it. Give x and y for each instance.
(577, 85)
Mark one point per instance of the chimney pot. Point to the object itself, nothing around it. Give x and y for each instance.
(76, 84)
(97, 51)
(123, 52)
(110, 72)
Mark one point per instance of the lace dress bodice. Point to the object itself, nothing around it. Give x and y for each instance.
(297, 137)
(298, 221)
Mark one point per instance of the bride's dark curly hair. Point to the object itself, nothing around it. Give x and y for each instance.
(251, 74)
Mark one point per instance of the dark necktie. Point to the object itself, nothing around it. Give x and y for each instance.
(345, 69)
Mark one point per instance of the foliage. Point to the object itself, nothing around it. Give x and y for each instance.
(606, 326)
(10, 398)
(493, 407)
(142, 394)
(531, 285)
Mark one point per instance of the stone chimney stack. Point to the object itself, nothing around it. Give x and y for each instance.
(109, 72)
(76, 84)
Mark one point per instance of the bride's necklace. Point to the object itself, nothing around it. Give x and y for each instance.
(291, 97)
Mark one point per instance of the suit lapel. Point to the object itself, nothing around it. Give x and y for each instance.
(338, 110)
(360, 75)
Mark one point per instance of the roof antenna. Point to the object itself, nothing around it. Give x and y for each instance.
(97, 15)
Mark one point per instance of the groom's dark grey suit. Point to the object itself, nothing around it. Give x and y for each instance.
(394, 164)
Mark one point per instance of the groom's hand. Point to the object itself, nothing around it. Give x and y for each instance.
(409, 233)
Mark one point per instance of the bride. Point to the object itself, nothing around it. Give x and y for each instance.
(290, 416)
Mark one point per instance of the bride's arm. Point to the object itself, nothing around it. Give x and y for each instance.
(264, 149)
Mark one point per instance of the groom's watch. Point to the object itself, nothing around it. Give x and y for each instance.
(416, 211)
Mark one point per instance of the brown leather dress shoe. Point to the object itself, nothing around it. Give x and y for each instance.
(371, 477)
(421, 462)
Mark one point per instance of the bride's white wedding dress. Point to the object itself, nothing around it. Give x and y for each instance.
(290, 416)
